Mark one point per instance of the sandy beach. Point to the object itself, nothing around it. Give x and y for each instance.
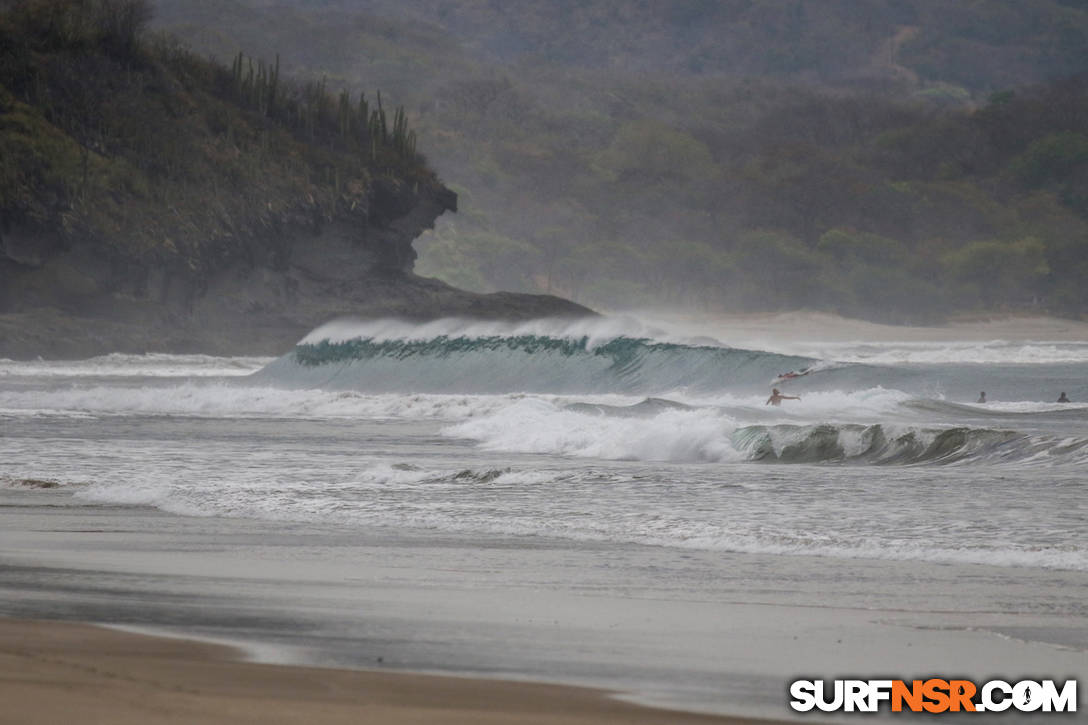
(54, 672)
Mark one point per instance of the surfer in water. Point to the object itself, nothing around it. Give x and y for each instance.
(1062, 398)
(795, 374)
(777, 397)
(981, 397)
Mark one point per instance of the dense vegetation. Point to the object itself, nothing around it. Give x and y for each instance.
(145, 156)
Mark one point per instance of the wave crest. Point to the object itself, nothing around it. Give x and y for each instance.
(530, 362)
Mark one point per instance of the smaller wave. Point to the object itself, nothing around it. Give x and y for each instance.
(645, 408)
(886, 445)
(28, 483)
(711, 434)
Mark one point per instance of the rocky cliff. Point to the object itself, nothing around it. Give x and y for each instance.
(151, 200)
(63, 301)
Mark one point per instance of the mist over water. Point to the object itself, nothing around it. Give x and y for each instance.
(606, 430)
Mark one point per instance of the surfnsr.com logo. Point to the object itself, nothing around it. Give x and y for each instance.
(933, 695)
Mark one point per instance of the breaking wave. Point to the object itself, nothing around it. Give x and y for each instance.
(889, 445)
(496, 359)
(657, 430)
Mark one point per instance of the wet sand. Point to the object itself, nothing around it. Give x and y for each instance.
(54, 672)
(697, 631)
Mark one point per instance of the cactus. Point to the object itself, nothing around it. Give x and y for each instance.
(362, 126)
(344, 115)
(321, 116)
(382, 130)
(273, 83)
(236, 69)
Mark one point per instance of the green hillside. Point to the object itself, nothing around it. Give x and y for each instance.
(146, 157)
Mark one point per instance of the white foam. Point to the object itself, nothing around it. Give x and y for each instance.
(703, 433)
(201, 399)
(854, 442)
(598, 330)
(534, 425)
(555, 504)
(149, 365)
(124, 493)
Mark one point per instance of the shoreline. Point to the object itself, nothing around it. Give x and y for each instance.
(319, 599)
(52, 669)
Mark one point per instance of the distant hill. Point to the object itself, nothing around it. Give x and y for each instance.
(901, 161)
(979, 45)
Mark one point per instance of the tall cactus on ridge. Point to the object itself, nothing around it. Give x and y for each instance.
(313, 111)
(343, 115)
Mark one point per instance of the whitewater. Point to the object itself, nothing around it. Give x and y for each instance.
(598, 431)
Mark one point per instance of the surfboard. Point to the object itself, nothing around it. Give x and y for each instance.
(791, 376)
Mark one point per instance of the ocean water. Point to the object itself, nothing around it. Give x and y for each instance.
(597, 431)
(612, 436)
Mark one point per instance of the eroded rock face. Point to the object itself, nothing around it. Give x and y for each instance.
(267, 291)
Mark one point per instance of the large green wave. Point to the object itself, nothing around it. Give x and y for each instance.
(527, 362)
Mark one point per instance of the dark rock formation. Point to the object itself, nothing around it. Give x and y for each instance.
(64, 302)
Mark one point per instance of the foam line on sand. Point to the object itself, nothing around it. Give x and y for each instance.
(66, 672)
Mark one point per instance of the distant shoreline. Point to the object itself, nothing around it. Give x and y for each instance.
(809, 325)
